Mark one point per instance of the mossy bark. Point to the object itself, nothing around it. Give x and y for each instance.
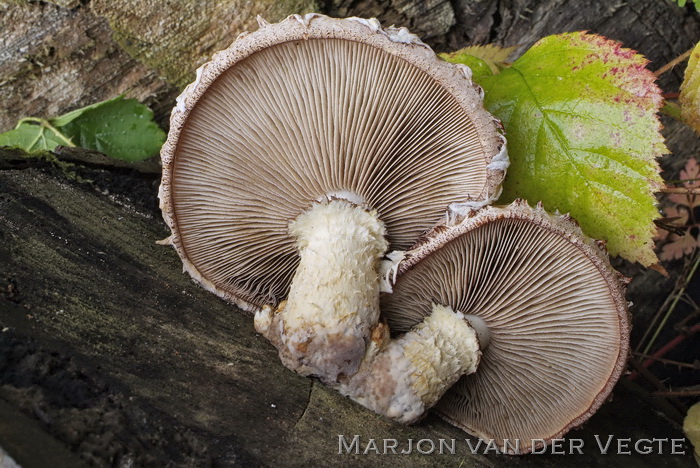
(60, 55)
(173, 37)
(55, 59)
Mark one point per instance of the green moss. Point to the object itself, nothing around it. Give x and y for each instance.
(175, 39)
(281, 9)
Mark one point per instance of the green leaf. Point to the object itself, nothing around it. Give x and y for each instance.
(120, 128)
(478, 67)
(690, 91)
(72, 115)
(31, 137)
(696, 3)
(583, 136)
(672, 110)
(484, 60)
(691, 427)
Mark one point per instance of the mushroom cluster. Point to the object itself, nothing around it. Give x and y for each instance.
(310, 148)
(300, 155)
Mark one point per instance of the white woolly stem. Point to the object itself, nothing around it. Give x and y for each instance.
(404, 377)
(323, 328)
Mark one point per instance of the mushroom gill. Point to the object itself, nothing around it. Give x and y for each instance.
(292, 121)
(298, 121)
(553, 305)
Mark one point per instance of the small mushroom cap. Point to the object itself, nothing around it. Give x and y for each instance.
(555, 309)
(309, 108)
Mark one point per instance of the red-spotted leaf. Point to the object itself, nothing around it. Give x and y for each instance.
(580, 114)
(690, 91)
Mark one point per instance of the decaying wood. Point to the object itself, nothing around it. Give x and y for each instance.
(173, 38)
(429, 19)
(101, 333)
(58, 57)
(54, 59)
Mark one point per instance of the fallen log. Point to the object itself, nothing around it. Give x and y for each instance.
(113, 356)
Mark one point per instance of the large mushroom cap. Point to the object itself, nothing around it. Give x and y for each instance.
(555, 310)
(309, 108)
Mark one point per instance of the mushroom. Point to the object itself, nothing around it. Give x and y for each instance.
(300, 155)
(404, 377)
(549, 311)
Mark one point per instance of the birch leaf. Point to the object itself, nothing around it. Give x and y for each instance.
(580, 114)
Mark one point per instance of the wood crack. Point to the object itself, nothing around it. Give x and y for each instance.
(306, 406)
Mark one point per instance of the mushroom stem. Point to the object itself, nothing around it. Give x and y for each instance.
(404, 377)
(323, 327)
